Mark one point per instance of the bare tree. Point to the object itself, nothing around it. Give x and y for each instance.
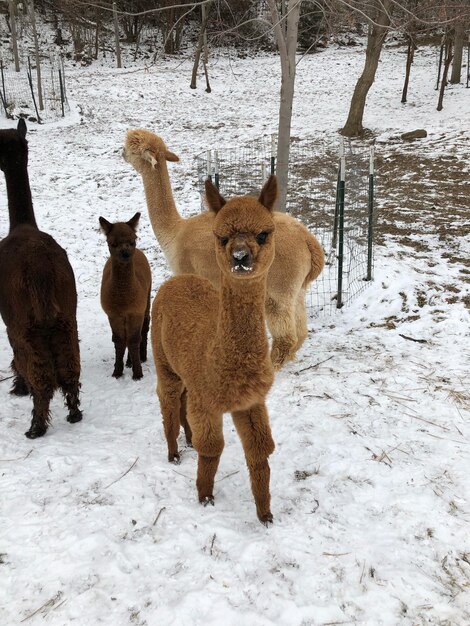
(380, 19)
(459, 41)
(286, 32)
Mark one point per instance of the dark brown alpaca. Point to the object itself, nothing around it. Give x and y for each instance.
(38, 297)
(211, 348)
(125, 294)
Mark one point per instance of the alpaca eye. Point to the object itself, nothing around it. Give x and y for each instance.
(261, 238)
(223, 241)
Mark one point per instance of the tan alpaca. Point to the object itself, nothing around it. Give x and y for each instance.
(125, 294)
(186, 244)
(212, 347)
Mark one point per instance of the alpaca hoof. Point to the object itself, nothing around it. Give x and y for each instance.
(117, 374)
(174, 457)
(266, 519)
(206, 500)
(137, 376)
(74, 417)
(36, 431)
(281, 353)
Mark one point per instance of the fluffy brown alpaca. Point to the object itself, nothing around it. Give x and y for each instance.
(38, 298)
(212, 345)
(187, 245)
(125, 294)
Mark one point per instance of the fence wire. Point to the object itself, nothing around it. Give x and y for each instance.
(311, 198)
(20, 95)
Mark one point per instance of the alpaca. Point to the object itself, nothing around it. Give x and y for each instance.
(38, 297)
(125, 294)
(186, 244)
(211, 347)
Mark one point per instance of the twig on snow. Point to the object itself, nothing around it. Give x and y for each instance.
(122, 475)
(49, 603)
(158, 516)
(6, 378)
(212, 544)
(413, 339)
(227, 476)
(310, 367)
(20, 458)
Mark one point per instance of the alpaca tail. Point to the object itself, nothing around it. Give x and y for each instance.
(41, 290)
(317, 259)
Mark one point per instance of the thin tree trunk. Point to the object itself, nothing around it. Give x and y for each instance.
(116, 36)
(14, 39)
(447, 62)
(458, 52)
(287, 45)
(409, 61)
(199, 47)
(376, 37)
(32, 17)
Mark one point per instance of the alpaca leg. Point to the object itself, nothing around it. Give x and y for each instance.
(145, 332)
(41, 416)
(169, 390)
(208, 440)
(184, 422)
(118, 328)
(301, 319)
(20, 386)
(255, 433)
(282, 324)
(65, 348)
(133, 332)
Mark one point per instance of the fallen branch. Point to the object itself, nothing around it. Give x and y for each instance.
(310, 367)
(122, 475)
(7, 378)
(412, 339)
(158, 516)
(20, 458)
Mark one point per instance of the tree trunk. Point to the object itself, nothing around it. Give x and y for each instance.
(287, 45)
(32, 17)
(200, 45)
(116, 36)
(447, 62)
(458, 52)
(14, 40)
(409, 61)
(376, 37)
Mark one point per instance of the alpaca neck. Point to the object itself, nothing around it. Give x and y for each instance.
(241, 334)
(122, 274)
(163, 214)
(20, 203)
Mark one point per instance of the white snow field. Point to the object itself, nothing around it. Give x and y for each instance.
(370, 476)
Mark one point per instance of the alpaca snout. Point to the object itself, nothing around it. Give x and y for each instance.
(242, 259)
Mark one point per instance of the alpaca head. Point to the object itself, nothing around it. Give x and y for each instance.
(121, 238)
(243, 229)
(144, 150)
(13, 146)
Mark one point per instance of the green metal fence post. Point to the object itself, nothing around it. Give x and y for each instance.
(370, 223)
(341, 194)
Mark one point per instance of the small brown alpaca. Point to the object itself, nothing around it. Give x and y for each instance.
(125, 295)
(38, 298)
(211, 348)
(187, 245)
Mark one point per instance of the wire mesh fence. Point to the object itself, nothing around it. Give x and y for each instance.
(23, 95)
(343, 221)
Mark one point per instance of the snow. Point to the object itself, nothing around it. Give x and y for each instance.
(369, 478)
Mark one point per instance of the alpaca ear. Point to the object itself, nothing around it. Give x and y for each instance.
(134, 221)
(214, 200)
(21, 128)
(105, 225)
(148, 156)
(171, 156)
(268, 195)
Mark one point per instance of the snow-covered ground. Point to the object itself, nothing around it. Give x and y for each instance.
(370, 474)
